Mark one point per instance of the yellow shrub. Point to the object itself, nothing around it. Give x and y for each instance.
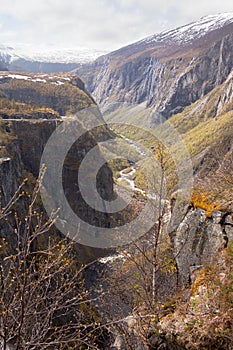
(199, 281)
(202, 200)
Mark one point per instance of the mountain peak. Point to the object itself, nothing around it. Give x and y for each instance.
(192, 31)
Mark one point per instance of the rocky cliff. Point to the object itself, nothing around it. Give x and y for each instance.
(199, 239)
(165, 72)
(26, 128)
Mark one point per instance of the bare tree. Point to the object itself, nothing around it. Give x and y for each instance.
(146, 272)
(43, 302)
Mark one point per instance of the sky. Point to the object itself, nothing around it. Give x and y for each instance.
(97, 24)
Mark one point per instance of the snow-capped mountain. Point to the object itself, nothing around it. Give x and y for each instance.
(48, 54)
(23, 57)
(194, 30)
(166, 71)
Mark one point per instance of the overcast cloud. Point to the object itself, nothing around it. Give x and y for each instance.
(99, 24)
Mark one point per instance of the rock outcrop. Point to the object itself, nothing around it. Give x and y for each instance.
(198, 239)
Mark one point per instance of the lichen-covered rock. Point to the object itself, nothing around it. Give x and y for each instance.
(198, 239)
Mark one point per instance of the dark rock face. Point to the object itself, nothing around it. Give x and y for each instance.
(22, 159)
(198, 239)
(32, 137)
(198, 76)
(10, 180)
(10, 173)
(25, 135)
(161, 343)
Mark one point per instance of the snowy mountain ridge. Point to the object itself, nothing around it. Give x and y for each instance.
(194, 30)
(39, 58)
(48, 54)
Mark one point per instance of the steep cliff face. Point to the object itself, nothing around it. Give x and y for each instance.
(25, 130)
(199, 239)
(165, 73)
(10, 172)
(185, 81)
(28, 114)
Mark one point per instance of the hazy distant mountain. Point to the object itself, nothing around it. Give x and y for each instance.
(21, 57)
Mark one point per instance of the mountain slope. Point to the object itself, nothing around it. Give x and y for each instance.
(65, 93)
(190, 32)
(184, 75)
(167, 71)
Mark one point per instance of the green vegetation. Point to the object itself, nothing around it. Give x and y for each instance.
(204, 137)
(208, 132)
(10, 108)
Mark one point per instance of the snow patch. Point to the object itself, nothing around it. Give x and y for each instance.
(18, 76)
(57, 83)
(40, 79)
